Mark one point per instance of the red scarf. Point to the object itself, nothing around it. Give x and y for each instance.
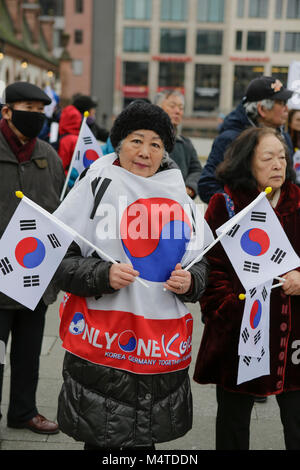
(23, 152)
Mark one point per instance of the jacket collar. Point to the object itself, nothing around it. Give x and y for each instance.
(289, 200)
(23, 152)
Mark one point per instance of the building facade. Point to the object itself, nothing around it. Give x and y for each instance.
(210, 49)
(26, 44)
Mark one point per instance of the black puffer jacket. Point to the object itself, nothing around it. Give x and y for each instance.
(113, 408)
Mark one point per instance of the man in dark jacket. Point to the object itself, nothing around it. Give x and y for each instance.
(263, 105)
(184, 153)
(32, 166)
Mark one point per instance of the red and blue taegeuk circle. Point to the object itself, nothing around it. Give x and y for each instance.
(154, 234)
(255, 314)
(30, 252)
(89, 157)
(127, 341)
(255, 242)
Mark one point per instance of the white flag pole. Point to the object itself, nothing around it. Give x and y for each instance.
(243, 296)
(20, 195)
(86, 115)
(229, 225)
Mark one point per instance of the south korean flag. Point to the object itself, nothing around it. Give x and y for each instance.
(257, 245)
(31, 250)
(86, 152)
(255, 316)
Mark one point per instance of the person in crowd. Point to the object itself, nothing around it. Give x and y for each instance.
(122, 407)
(69, 129)
(294, 131)
(49, 131)
(31, 165)
(293, 125)
(86, 103)
(258, 158)
(263, 105)
(184, 154)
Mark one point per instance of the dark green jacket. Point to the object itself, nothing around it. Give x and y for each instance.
(185, 156)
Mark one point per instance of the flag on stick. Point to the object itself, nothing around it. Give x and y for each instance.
(257, 245)
(31, 250)
(256, 312)
(230, 225)
(87, 150)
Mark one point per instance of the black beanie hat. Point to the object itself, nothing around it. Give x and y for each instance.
(84, 103)
(142, 115)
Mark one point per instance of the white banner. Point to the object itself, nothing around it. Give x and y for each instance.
(294, 85)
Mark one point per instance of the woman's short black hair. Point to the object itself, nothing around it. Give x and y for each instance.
(235, 170)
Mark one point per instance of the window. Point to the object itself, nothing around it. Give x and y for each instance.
(258, 8)
(211, 10)
(171, 75)
(238, 40)
(78, 6)
(278, 9)
(281, 73)
(276, 41)
(137, 9)
(78, 36)
(135, 73)
(256, 41)
(243, 74)
(240, 8)
(292, 42)
(172, 40)
(52, 7)
(293, 9)
(136, 39)
(173, 10)
(209, 42)
(77, 67)
(207, 87)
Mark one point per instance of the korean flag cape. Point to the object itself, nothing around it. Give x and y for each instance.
(152, 224)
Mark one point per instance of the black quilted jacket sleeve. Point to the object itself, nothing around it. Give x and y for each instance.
(89, 277)
(85, 277)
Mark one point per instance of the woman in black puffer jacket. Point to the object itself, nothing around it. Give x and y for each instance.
(133, 393)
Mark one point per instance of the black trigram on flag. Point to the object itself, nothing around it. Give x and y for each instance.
(245, 335)
(251, 267)
(264, 293)
(247, 360)
(261, 354)
(77, 157)
(54, 240)
(257, 216)
(252, 292)
(257, 337)
(27, 224)
(231, 233)
(87, 140)
(5, 266)
(100, 193)
(31, 281)
(278, 256)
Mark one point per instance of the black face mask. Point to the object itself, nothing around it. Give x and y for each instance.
(29, 123)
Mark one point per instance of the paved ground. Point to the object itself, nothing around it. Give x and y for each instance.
(266, 431)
